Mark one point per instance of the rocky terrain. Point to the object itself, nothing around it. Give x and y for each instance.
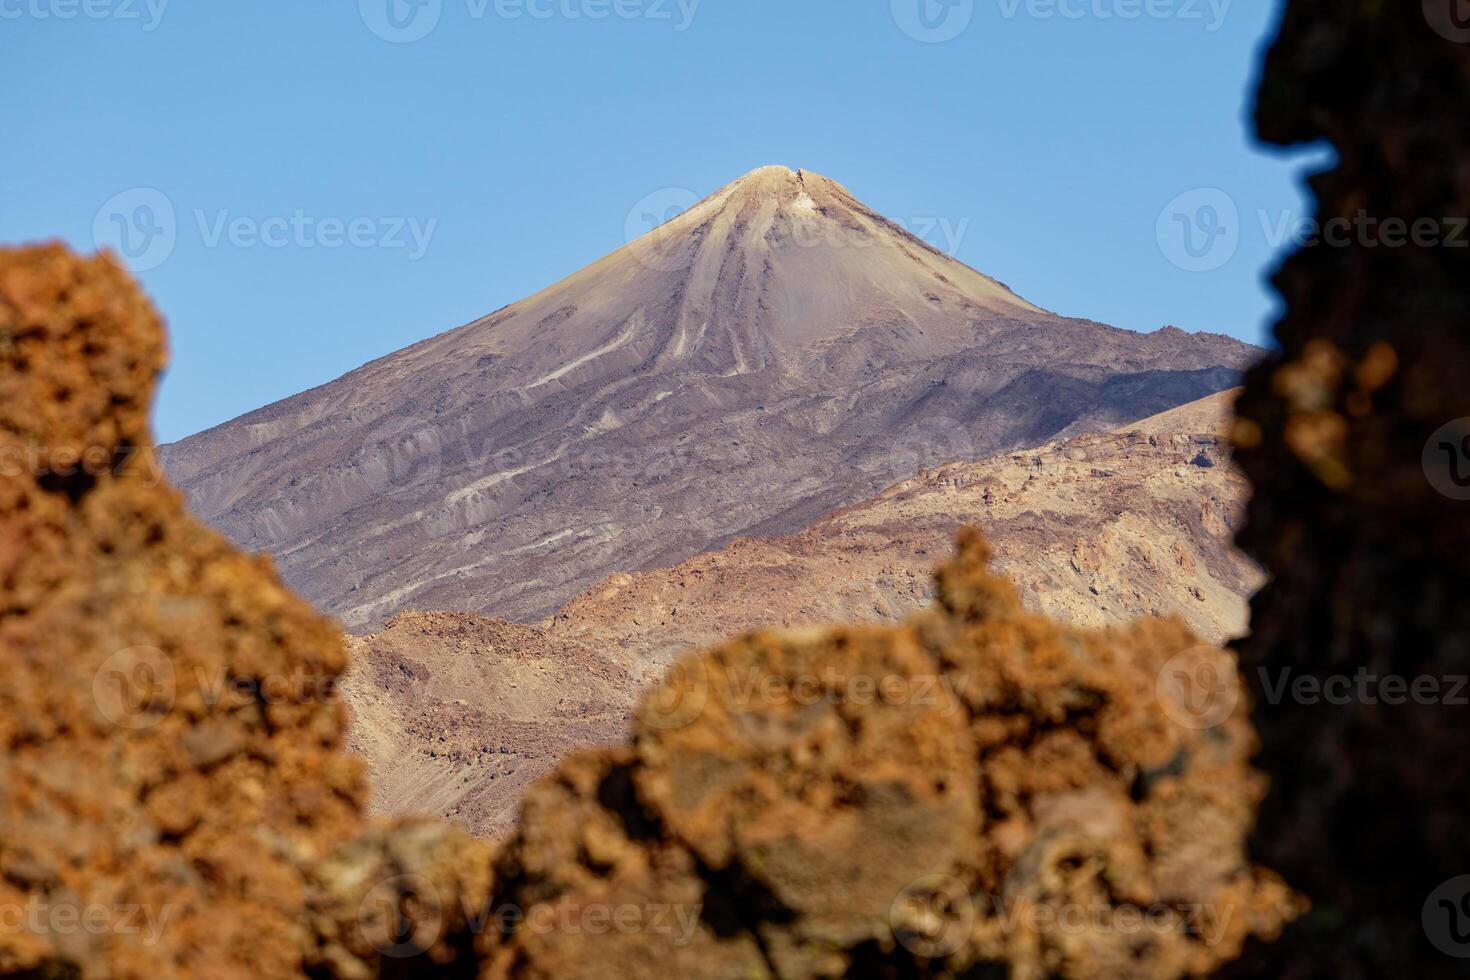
(775, 352)
(736, 837)
(1094, 530)
(1356, 511)
(926, 799)
(974, 791)
(457, 713)
(174, 797)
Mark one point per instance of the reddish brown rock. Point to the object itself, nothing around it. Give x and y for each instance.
(170, 755)
(974, 786)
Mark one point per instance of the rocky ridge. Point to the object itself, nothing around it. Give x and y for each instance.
(1094, 530)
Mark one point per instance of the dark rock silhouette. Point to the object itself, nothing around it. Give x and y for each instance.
(1340, 435)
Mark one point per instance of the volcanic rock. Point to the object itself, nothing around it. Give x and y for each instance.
(174, 798)
(1107, 528)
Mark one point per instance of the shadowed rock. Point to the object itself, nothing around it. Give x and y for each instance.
(1356, 513)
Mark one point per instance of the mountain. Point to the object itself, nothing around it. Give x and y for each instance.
(776, 351)
(457, 713)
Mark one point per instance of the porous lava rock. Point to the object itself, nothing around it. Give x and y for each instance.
(173, 794)
(975, 788)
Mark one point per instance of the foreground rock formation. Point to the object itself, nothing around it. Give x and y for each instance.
(1353, 436)
(173, 794)
(974, 786)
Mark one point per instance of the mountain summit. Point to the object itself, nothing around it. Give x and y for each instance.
(782, 261)
(777, 350)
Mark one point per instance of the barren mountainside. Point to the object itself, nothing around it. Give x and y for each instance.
(775, 352)
(1097, 529)
(457, 714)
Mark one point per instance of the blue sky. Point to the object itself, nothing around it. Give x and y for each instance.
(306, 186)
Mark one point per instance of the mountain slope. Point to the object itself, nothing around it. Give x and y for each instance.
(1097, 529)
(456, 714)
(774, 352)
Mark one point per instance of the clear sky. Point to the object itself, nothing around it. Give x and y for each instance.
(305, 186)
